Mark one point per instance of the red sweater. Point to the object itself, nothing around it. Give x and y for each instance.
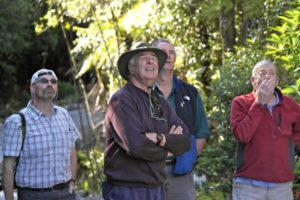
(266, 140)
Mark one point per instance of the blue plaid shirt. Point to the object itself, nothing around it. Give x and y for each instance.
(45, 158)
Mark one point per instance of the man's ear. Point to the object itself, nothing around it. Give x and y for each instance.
(252, 79)
(131, 69)
(32, 89)
(277, 81)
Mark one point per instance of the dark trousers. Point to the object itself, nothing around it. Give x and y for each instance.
(25, 194)
(113, 192)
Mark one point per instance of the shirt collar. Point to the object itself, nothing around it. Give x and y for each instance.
(276, 100)
(175, 86)
(270, 107)
(35, 113)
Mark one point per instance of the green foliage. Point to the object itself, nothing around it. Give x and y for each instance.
(90, 174)
(202, 195)
(15, 33)
(14, 30)
(284, 47)
(14, 38)
(66, 93)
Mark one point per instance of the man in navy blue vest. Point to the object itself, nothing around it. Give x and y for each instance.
(185, 100)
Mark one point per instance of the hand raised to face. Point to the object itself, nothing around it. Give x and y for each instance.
(265, 90)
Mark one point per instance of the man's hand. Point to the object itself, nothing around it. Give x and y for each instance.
(175, 130)
(265, 91)
(151, 136)
(71, 186)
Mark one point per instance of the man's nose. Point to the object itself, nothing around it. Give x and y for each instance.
(268, 76)
(150, 60)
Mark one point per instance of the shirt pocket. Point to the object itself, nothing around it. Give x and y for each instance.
(64, 141)
(36, 144)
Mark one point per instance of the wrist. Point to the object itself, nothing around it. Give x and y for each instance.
(163, 142)
(73, 180)
(159, 138)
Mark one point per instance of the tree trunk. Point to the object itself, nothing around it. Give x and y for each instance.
(227, 29)
(244, 24)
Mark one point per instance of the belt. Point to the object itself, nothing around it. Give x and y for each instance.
(54, 188)
(170, 162)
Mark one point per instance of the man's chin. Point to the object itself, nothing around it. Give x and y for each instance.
(168, 66)
(50, 97)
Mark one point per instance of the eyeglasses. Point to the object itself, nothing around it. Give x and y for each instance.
(46, 81)
(264, 74)
(156, 111)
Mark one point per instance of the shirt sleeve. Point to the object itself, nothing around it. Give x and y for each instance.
(244, 120)
(202, 126)
(74, 130)
(12, 139)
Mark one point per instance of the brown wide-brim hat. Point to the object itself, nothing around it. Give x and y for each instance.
(137, 48)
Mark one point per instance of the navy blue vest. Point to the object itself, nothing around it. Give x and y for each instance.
(186, 103)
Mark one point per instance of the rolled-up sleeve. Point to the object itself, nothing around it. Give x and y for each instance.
(12, 139)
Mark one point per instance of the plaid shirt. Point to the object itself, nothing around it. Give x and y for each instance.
(45, 158)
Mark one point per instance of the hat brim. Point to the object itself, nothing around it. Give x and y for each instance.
(125, 57)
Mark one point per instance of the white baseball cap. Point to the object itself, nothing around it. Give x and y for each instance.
(40, 73)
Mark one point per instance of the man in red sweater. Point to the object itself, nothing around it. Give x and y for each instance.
(266, 125)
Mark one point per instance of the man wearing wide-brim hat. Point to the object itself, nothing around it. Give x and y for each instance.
(141, 128)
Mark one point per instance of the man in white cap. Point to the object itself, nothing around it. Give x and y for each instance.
(47, 163)
(141, 128)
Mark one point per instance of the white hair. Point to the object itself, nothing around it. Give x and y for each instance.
(262, 63)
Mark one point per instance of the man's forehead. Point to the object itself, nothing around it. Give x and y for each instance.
(266, 67)
(147, 53)
(165, 45)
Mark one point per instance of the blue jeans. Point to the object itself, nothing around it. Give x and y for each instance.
(113, 192)
(25, 194)
(282, 191)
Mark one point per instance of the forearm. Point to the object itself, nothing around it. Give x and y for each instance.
(74, 164)
(150, 150)
(177, 144)
(8, 177)
(244, 122)
(200, 142)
